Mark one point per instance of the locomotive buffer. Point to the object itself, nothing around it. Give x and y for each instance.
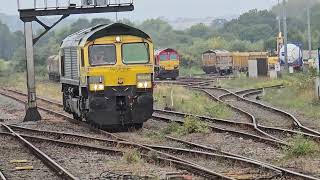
(29, 15)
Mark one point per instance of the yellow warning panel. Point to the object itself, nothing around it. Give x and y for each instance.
(24, 168)
(19, 161)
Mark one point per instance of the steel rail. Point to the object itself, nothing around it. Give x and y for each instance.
(214, 155)
(2, 177)
(43, 157)
(235, 123)
(246, 95)
(315, 137)
(183, 114)
(309, 132)
(117, 143)
(282, 169)
(270, 140)
(181, 161)
(210, 149)
(256, 89)
(296, 122)
(249, 115)
(143, 148)
(238, 133)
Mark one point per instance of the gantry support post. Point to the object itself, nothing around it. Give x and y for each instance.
(32, 113)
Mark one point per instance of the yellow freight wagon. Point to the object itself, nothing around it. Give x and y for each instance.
(240, 61)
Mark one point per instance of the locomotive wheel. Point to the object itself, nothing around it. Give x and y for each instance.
(76, 117)
(138, 126)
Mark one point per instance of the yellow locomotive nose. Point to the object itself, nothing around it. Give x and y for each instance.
(120, 81)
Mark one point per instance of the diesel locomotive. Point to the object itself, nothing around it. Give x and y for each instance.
(107, 75)
(167, 63)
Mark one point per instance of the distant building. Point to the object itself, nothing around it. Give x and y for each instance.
(314, 54)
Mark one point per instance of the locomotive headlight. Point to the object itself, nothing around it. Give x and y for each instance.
(144, 81)
(96, 87)
(96, 83)
(118, 39)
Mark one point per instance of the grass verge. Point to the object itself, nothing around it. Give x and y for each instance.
(44, 87)
(191, 125)
(132, 156)
(193, 71)
(301, 146)
(184, 100)
(298, 94)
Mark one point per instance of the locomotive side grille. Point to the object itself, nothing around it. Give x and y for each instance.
(74, 64)
(71, 64)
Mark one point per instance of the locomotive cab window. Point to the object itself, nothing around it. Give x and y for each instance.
(173, 57)
(135, 53)
(163, 57)
(102, 55)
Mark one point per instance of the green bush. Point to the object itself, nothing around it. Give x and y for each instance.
(190, 125)
(132, 156)
(301, 146)
(172, 128)
(195, 125)
(184, 100)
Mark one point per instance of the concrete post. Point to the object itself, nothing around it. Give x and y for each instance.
(32, 113)
(309, 30)
(285, 30)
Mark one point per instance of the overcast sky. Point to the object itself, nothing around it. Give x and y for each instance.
(145, 9)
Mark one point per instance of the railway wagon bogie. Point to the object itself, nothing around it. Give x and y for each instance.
(53, 68)
(107, 75)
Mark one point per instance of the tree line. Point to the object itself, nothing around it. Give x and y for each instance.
(252, 31)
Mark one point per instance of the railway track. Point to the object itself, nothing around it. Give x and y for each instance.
(2, 176)
(294, 122)
(108, 147)
(172, 149)
(202, 151)
(44, 158)
(251, 114)
(183, 164)
(290, 174)
(243, 127)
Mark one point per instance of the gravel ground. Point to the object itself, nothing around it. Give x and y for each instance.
(217, 165)
(217, 124)
(229, 168)
(306, 121)
(309, 165)
(263, 116)
(92, 164)
(10, 111)
(10, 150)
(217, 92)
(236, 116)
(40, 103)
(237, 145)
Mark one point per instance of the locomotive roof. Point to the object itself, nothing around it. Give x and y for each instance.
(216, 51)
(81, 37)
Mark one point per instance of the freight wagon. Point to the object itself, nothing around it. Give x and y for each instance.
(224, 62)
